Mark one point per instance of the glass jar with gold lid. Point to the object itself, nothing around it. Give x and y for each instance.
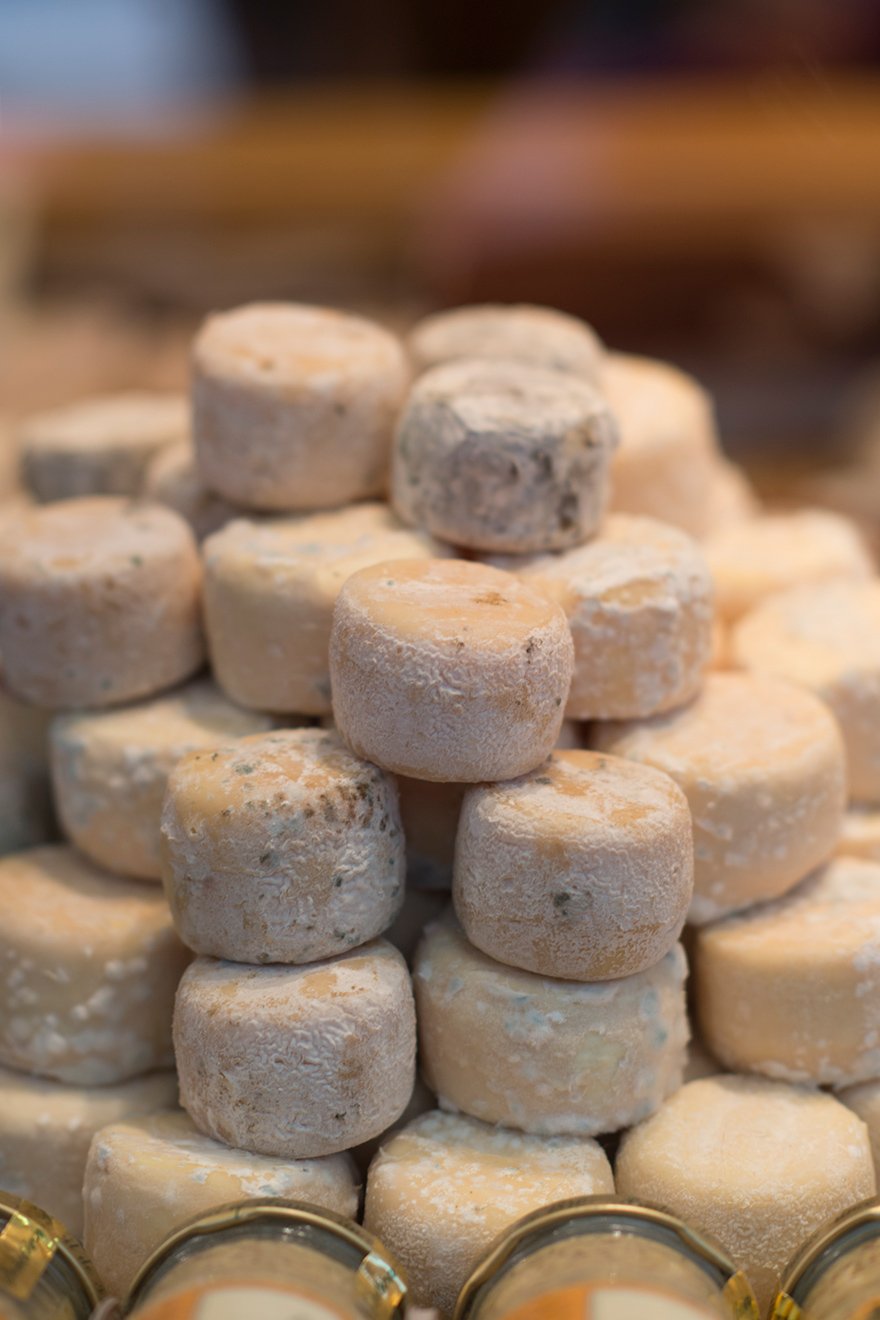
(599, 1258)
(836, 1274)
(44, 1272)
(272, 1259)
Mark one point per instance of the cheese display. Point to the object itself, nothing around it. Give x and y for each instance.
(826, 638)
(638, 598)
(582, 869)
(546, 1056)
(147, 1176)
(791, 989)
(755, 559)
(503, 456)
(513, 332)
(110, 769)
(442, 1189)
(101, 602)
(762, 766)
(296, 1061)
(281, 847)
(89, 965)
(46, 1129)
(448, 670)
(100, 446)
(758, 1164)
(316, 393)
(270, 588)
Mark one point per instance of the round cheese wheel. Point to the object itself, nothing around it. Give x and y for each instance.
(582, 869)
(89, 963)
(503, 456)
(791, 989)
(755, 559)
(638, 598)
(110, 769)
(760, 1165)
(826, 638)
(762, 766)
(101, 602)
(420, 1102)
(667, 461)
(860, 836)
(46, 1128)
(147, 1176)
(26, 816)
(281, 847)
(542, 336)
(448, 670)
(173, 479)
(442, 1189)
(293, 406)
(100, 446)
(270, 588)
(297, 1061)
(547, 1056)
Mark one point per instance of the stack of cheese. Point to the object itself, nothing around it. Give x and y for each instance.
(543, 578)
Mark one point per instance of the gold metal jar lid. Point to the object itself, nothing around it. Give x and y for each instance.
(378, 1279)
(527, 1233)
(860, 1223)
(31, 1243)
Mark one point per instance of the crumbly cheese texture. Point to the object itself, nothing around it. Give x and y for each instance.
(826, 638)
(541, 336)
(270, 588)
(860, 835)
(639, 602)
(448, 670)
(758, 1164)
(297, 1061)
(762, 765)
(503, 456)
(294, 406)
(281, 847)
(550, 1057)
(101, 602)
(147, 1176)
(667, 463)
(46, 1129)
(89, 965)
(442, 1189)
(26, 815)
(110, 769)
(100, 446)
(753, 560)
(172, 478)
(582, 869)
(791, 989)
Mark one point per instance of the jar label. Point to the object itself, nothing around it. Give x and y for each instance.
(608, 1301)
(241, 1300)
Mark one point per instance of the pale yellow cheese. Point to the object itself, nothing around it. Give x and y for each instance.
(762, 765)
(293, 406)
(89, 963)
(297, 1061)
(147, 1176)
(281, 847)
(270, 588)
(441, 1190)
(101, 601)
(791, 989)
(582, 869)
(448, 670)
(760, 1165)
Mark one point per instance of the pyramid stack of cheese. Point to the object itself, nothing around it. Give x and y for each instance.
(515, 663)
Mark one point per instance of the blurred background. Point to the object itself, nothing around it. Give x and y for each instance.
(700, 179)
